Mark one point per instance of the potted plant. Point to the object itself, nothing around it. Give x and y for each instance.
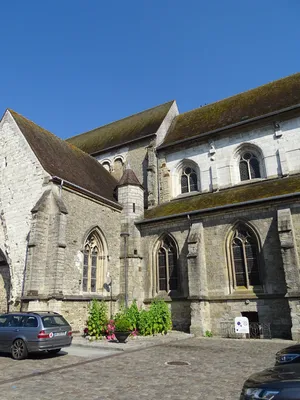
(123, 328)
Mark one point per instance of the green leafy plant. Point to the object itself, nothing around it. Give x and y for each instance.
(122, 324)
(208, 334)
(97, 320)
(156, 320)
(133, 315)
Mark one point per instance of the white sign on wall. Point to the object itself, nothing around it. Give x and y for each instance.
(241, 325)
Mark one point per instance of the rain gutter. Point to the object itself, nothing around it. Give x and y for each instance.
(88, 192)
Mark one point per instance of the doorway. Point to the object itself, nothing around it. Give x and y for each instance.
(254, 327)
(4, 284)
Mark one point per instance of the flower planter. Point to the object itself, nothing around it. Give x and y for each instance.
(121, 336)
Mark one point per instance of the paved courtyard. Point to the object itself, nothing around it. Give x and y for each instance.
(216, 371)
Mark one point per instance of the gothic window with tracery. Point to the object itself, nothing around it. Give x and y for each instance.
(167, 265)
(245, 258)
(249, 166)
(93, 263)
(188, 180)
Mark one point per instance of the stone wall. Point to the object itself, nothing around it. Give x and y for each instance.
(218, 160)
(84, 215)
(21, 185)
(206, 271)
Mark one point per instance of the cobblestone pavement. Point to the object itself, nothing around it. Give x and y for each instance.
(217, 370)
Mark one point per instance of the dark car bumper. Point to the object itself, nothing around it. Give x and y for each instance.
(43, 345)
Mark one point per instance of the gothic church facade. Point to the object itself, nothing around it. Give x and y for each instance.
(201, 209)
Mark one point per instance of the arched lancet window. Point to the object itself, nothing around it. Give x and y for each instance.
(118, 168)
(93, 264)
(188, 180)
(167, 265)
(249, 166)
(244, 250)
(106, 165)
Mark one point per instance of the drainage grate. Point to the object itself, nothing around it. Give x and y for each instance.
(177, 363)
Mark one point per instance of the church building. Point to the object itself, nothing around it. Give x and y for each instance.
(201, 209)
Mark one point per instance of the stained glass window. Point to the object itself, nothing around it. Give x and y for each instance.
(189, 180)
(249, 166)
(93, 264)
(245, 258)
(167, 265)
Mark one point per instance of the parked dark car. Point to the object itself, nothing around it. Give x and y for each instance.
(277, 383)
(22, 333)
(289, 354)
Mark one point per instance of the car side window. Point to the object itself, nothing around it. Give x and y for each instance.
(3, 320)
(31, 322)
(15, 321)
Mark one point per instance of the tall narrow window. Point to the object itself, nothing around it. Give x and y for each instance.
(118, 168)
(93, 262)
(106, 165)
(167, 265)
(249, 166)
(188, 180)
(245, 258)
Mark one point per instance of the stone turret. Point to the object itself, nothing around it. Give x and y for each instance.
(131, 197)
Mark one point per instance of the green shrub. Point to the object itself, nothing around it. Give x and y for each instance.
(208, 334)
(97, 320)
(133, 315)
(156, 320)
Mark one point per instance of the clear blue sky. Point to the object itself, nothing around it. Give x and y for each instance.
(73, 65)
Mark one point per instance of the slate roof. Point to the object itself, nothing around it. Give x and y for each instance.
(64, 160)
(129, 178)
(272, 97)
(135, 127)
(235, 195)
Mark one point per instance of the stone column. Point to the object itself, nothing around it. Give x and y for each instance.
(197, 278)
(290, 262)
(152, 189)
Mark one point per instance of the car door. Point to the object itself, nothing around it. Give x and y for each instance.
(11, 330)
(3, 324)
(30, 331)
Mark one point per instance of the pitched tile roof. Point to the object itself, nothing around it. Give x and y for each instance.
(240, 108)
(64, 160)
(120, 132)
(235, 195)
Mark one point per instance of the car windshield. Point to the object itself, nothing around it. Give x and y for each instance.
(53, 320)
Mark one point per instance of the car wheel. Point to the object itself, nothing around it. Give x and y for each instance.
(55, 351)
(19, 350)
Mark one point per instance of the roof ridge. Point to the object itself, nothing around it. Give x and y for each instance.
(121, 119)
(236, 94)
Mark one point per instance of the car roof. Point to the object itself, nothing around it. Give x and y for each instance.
(41, 313)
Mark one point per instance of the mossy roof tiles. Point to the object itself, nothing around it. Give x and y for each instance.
(234, 195)
(64, 160)
(125, 130)
(254, 103)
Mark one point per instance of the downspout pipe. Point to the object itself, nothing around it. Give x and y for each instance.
(125, 236)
